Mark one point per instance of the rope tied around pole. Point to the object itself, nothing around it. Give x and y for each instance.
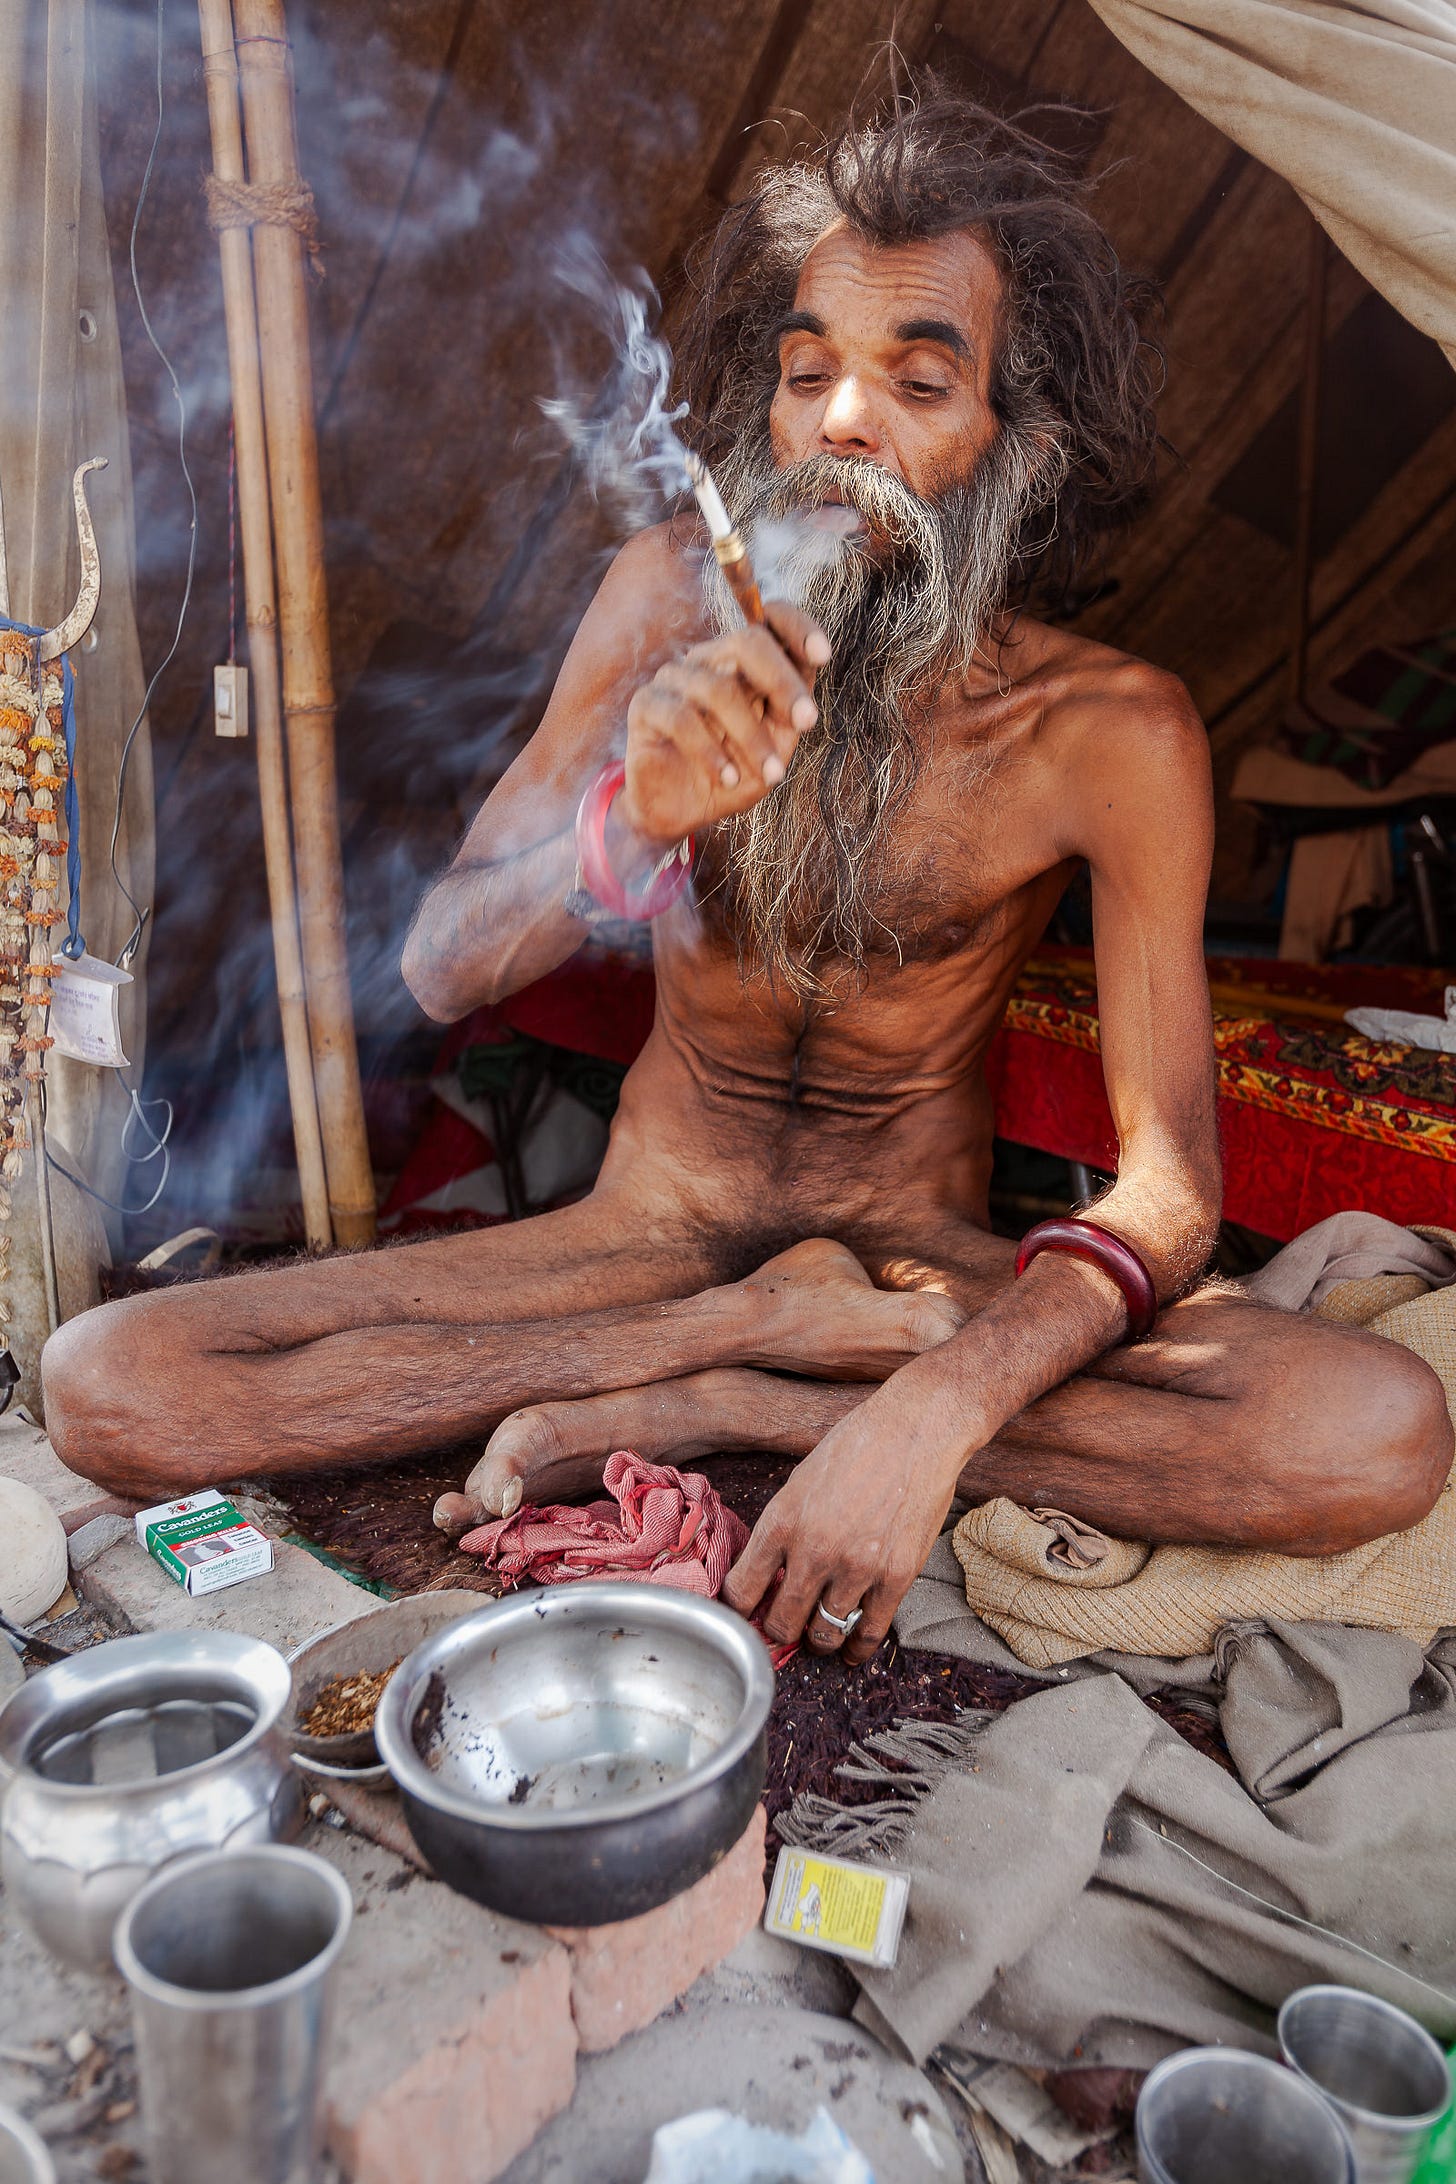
(265, 204)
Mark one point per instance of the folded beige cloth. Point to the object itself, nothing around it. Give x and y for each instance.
(1055, 1589)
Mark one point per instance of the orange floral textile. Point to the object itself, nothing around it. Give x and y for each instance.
(1312, 1117)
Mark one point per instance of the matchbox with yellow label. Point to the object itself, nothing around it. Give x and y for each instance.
(203, 1543)
(838, 1905)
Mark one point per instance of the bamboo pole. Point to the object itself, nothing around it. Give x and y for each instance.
(220, 71)
(308, 693)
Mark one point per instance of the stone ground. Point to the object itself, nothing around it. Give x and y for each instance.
(456, 2028)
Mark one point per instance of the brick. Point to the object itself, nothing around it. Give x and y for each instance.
(92, 1539)
(298, 1597)
(453, 2040)
(625, 1975)
(26, 1454)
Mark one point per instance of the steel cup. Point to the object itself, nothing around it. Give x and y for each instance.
(229, 1957)
(1382, 2074)
(23, 2158)
(1221, 2116)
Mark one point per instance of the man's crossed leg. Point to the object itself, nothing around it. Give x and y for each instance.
(561, 1340)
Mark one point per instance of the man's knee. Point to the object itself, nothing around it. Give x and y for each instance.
(102, 1375)
(1374, 1442)
(1413, 1421)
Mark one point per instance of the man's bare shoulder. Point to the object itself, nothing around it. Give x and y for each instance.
(1085, 689)
(656, 577)
(1114, 742)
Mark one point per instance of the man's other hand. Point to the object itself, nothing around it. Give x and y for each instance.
(713, 732)
(852, 1527)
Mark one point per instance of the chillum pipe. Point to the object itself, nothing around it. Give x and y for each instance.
(220, 74)
(265, 73)
(732, 557)
(729, 548)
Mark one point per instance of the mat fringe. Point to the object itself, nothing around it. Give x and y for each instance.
(906, 1761)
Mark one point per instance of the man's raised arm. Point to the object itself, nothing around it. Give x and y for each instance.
(497, 919)
(708, 731)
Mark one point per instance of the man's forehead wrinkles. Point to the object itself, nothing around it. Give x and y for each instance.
(843, 280)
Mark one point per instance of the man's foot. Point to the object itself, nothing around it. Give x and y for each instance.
(555, 1451)
(812, 1310)
(822, 1315)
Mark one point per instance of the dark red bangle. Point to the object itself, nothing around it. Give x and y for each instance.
(668, 878)
(1085, 1240)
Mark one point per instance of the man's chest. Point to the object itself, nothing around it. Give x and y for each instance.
(969, 857)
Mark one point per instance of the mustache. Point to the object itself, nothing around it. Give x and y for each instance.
(895, 517)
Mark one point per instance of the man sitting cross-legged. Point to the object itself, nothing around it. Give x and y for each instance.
(788, 1246)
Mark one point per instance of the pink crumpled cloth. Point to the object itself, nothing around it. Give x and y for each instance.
(662, 1527)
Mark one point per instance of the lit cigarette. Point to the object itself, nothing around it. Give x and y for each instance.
(728, 547)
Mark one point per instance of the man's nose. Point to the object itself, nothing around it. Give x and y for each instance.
(848, 421)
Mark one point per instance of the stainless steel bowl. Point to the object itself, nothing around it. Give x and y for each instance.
(578, 1755)
(124, 1757)
(23, 2158)
(361, 1648)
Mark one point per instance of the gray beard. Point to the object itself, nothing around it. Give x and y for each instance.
(802, 873)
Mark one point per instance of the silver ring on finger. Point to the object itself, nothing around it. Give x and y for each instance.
(844, 1624)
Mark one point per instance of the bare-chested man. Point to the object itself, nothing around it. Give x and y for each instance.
(788, 1246)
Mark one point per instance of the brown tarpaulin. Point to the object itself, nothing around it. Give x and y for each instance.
(1355, 105)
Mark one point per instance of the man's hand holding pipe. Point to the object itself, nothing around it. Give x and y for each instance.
(712, 733)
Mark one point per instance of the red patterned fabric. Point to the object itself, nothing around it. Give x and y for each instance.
(662, 1527)
(1313, 1119)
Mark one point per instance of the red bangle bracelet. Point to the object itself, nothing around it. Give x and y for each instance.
(665, 883)
(1085, 1240)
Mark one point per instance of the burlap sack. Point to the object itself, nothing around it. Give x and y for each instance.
(1132, 1598)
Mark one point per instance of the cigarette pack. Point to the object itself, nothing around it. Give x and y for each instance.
(838, 1905)
(203, 1543)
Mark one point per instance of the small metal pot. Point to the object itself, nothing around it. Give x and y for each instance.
(23, 2158)
(128, 1755)
(362, 1647)
(580, 1754)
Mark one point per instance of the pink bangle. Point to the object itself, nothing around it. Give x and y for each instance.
(1085, 1240)
(668, 877)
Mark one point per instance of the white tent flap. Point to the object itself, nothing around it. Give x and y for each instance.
(1354, 104)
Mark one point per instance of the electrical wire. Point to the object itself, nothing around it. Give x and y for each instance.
(136, 1160)
(1312, 1926)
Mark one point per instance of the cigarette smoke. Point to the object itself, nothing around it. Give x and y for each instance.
(459, 206)
(626, 443)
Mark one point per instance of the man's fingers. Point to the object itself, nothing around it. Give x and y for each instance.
(870, 1632)
(798, 632)
(751, 742)
(756, 1568)
(822, 1637)
(807, 1578)
(767, 671)
(679, 723)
